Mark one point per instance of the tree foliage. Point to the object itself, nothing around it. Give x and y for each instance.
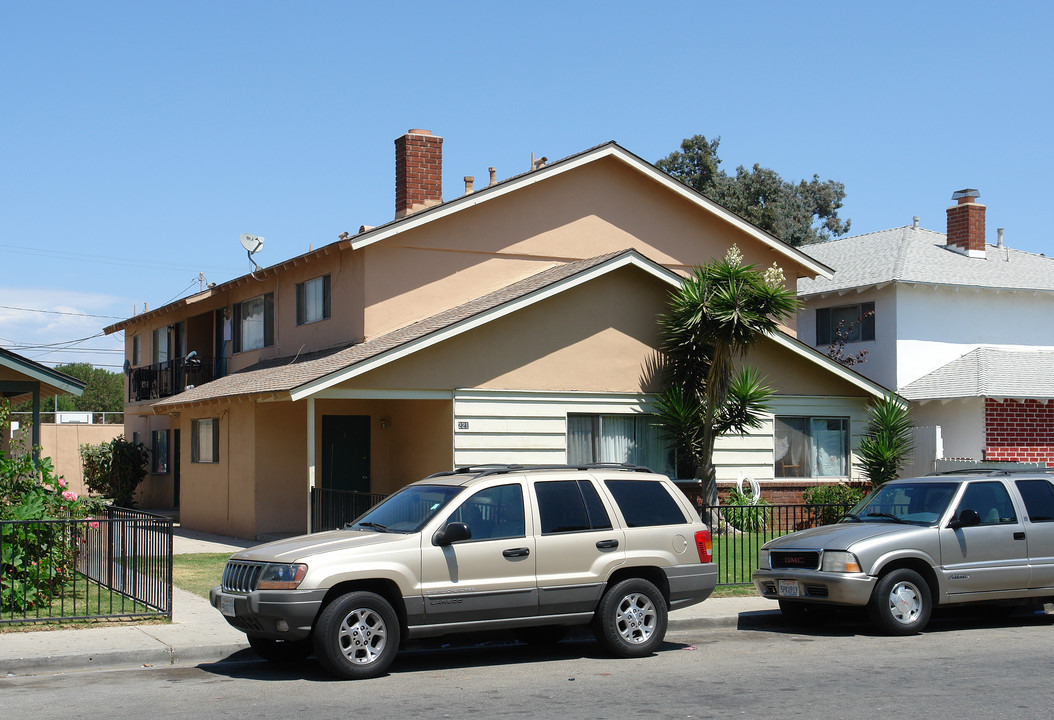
(711, 321)
(797, 213)
(114, 469)
(888, 443)
(103, 392)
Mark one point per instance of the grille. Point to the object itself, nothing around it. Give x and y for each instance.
(796, 559)
(241, 577)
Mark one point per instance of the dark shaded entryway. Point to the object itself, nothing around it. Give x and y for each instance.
(346, 452)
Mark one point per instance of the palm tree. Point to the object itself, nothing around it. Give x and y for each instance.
(888, 443)
(712, 320)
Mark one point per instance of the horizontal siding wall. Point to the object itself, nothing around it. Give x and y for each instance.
(525, 427)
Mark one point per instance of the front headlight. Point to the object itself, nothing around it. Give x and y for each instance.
(840, 561)
(763, 559)
(281, 577)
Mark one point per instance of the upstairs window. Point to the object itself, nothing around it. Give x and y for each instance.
(312, 300)
(160, 345)
(254, 323)
(857, 321)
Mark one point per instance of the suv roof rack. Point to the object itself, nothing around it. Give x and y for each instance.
(994, 472)
(499, 469)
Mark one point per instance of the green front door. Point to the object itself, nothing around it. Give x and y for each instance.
(346, 452)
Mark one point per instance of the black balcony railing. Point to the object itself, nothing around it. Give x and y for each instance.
(331, 509)
(168, 378)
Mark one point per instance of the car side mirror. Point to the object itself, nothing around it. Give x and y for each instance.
(966, 518)
(452, 532)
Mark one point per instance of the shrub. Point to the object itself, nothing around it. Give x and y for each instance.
(888, 443)
(836, 499)
(37, 558)
(114, 469)
(751, 516)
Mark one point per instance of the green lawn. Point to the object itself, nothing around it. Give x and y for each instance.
(198, 572)
(737, 556)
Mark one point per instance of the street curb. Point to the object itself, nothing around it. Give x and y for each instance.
(742, 621)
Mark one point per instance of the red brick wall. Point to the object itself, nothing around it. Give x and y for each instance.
(1019, 430)
(966, 226)
(775, 492)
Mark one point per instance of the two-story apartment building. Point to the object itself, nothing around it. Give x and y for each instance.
(959, 327)
(515, 323)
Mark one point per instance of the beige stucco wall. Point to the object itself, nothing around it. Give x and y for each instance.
(61, 442)
(593, 210)
(280, 442)
(790, 374)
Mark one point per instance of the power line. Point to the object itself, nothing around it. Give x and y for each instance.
(105, 260)
(61, 312)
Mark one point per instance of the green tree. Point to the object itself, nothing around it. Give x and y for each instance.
(888, 443)
(103, 392)
(711, 321)
(797, 213)
(114, 469)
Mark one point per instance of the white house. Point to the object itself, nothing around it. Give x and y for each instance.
(960, 328)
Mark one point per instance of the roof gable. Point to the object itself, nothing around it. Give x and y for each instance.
(35, 372)
(988, 372)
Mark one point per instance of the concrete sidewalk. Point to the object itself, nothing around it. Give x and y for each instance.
(199, 634)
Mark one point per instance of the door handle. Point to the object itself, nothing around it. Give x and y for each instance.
(516, 552)
(1019, 536)
(605, 544)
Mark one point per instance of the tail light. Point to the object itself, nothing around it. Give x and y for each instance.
(705, 546)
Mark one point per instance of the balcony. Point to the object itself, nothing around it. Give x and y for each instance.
(172, 377)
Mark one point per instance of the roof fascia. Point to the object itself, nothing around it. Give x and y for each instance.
(608, 150)
(628, 259)
(40, 373)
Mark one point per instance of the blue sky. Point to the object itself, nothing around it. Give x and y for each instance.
(139, 139)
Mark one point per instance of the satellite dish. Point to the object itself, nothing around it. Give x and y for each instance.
(252, 243)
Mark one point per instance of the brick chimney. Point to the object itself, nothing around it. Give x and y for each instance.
(418, 172)
(966, 224)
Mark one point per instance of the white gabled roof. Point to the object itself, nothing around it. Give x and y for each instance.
(989, 372)
(914, 255)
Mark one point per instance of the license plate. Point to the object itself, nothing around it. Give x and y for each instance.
(227, 605)
(788, 588)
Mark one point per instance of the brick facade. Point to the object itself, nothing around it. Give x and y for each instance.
(1019, 430)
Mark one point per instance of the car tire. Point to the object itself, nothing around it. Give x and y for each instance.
(280, 651)
(901, 603)
(357, 636)
(541, 636)
(804, 613)
(631, 618)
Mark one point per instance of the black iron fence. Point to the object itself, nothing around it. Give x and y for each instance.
(332, 509)
(115, 565)
(160, 380)
(739, 531)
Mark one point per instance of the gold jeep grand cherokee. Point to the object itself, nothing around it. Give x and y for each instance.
(536, 549)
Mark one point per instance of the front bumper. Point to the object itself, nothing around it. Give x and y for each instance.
(258, 613)
(817, 586)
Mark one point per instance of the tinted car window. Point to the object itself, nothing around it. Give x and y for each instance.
(990, 500)
(1039, 499)
(493, 513)
(645, 502)
(570, 506)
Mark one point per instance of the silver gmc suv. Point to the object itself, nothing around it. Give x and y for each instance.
(917, 543)
(535, 549)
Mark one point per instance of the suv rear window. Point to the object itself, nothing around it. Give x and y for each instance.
(1039, 499)
(570, 506)
(645, 502)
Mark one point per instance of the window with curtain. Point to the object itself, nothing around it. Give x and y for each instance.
(312, 300)
(811, 447)
(618, 439)
(254, 323)
(205, 440)
(160, 345)
(159, 452)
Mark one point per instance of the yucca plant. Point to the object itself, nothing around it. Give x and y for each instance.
(888, 443)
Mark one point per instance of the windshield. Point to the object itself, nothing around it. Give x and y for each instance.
(913, 503)
(408, 510)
